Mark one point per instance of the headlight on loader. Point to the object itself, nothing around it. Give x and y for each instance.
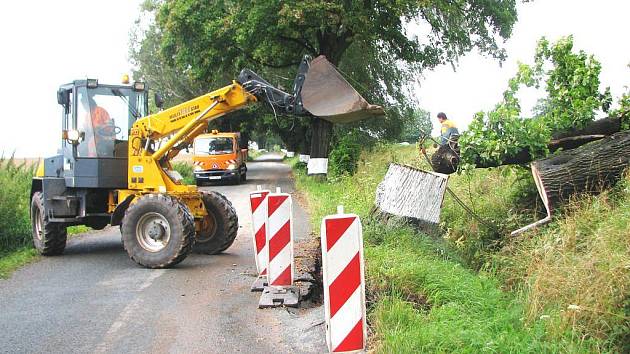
(198, 168)
(231, 166)
(73, 136)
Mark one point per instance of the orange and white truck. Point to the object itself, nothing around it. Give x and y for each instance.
(218, 157)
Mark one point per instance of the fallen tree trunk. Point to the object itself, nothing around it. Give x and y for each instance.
(604, 126)
(587, 169)
(446, 159)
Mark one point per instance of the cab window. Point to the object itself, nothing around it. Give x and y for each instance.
(104, 116)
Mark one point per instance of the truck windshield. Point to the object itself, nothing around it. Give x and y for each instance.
(214, 146)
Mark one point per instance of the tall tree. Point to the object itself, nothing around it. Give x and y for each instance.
(381, 46)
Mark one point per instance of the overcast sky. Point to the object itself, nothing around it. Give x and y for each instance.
(47, 43)
(478, 83)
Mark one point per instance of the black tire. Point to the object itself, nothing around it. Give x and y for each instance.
(223, 225)
(237, 179)
(49, 238)
(98, 224)
(199, 182)
(244, 177)
(158, 215)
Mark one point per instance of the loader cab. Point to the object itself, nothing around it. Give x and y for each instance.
(96, 120)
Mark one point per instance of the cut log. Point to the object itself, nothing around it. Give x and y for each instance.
(587, 169)
(446, 159)
(412, 194)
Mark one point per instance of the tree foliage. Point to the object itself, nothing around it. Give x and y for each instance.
(380, 46)
(418, 124)
(571, 81)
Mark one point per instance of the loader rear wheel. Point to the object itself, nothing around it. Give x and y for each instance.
(158, 231)
(220, 226)
(49, 238)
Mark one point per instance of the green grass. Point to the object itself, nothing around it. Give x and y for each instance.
(576, 271)
(78, 229)
(253, 154)
(15, 259)
(185, 169)
(451, 293)
(15, 226)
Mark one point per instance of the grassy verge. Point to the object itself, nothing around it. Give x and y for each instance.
(576, 271)
(15, 225)
(15, 259)
(452, 294)
(253, 154)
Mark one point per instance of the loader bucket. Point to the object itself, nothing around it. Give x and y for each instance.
(327, 95)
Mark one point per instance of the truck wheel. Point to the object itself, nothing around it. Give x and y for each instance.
(49, 238)
(237, 179)
(220, 226)
(244, 177)
(198, 182)
(158, 231)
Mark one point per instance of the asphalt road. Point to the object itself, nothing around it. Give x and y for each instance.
(94, 299)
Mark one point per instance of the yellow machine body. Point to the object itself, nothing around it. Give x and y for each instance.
(154, 141)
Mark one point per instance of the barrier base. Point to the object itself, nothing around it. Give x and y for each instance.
(259, 284)
(277, 297)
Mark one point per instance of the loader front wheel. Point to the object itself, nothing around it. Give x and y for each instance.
(49, 238)
(220, 226)
(158, 231)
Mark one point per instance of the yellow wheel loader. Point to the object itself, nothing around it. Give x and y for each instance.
(114, 165)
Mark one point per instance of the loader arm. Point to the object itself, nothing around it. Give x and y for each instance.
(156, 139)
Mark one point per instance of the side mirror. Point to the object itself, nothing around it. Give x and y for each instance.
(63, 97)
(159, 100)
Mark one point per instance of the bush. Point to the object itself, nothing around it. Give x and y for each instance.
(185, 169)
(15, 224)
(344, 158)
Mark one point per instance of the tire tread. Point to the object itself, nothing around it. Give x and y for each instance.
(55, 235)
(183, 216)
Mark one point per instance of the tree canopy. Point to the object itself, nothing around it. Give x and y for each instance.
(380, 46)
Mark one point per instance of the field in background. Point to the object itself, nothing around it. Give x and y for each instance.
(563, 288)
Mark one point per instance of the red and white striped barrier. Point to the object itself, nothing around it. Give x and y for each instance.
(258, 208)
(344, 282)
(280, 268)
(280, 231)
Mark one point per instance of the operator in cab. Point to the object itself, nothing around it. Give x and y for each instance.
(448, 130)
(98, 129)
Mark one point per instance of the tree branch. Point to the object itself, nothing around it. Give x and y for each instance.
(304, 43)
(270, 65)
